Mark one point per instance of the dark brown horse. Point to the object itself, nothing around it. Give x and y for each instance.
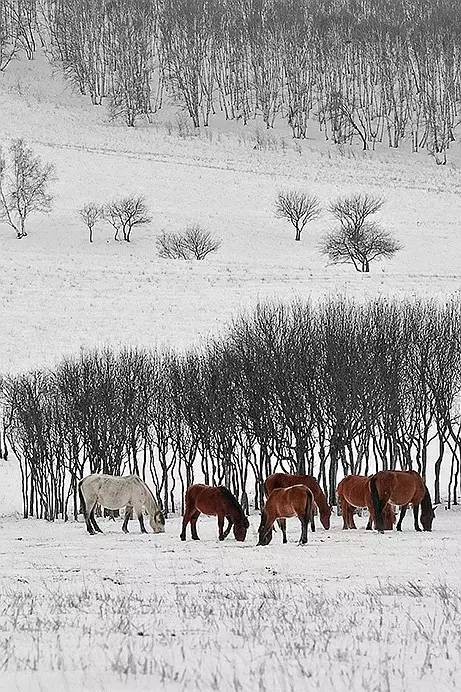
(216, 501)
(354, 491)
(283, 503)
(286, 480)
(402, 488)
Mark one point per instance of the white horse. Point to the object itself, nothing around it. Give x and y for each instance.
(115, 492)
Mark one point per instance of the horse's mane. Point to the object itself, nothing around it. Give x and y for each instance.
(146, 487)
(426, 503)
(234, 502)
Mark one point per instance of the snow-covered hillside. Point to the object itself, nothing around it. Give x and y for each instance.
(60, 293)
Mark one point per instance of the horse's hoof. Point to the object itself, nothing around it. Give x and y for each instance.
(183, 538)
(195, 538)
(418, 529)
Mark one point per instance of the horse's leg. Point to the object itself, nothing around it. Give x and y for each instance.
(345, 512)
(221, 527)
(141, 523)
(89, 524)
(312, 522)
(185, 520)
(350, 517)
(128, 516)
(230, 525)
(283, 527)
(415, 515)
(304, 525)
(193, 525)
(370, 523)
(403, 511)
(93, 520)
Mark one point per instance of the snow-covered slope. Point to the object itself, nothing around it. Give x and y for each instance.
(59, 292)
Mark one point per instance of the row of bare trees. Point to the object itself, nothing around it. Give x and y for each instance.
(367, 71)
(328, 389)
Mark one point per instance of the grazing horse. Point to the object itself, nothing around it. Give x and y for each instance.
(115, 492)
(286, 480)
(283, 503)
(402, 488)
(217, 501)
(354, 491)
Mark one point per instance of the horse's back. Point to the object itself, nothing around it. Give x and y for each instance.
(288, 480)
(290, 501)
(402, 487)
(355, 490)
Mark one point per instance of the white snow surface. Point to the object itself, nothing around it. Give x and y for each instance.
(352, 610)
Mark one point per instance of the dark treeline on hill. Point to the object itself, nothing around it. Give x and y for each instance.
(329, 389)
(365, 70)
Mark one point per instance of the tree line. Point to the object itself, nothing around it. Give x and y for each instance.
(387, 70)
(330, 388)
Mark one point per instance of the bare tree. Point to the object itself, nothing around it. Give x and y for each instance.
(90, 214)
(298, 208)
(170, 246)
(199, 242)
(126, 213)
(194, 242)
(23, 186)
(357, 240)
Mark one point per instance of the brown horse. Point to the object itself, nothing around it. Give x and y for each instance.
(282, 503)
(286, 480)
(354, 491)
(402, 488)
(216, 501)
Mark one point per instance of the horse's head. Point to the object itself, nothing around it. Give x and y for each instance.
(427, 518)
(240, 528)
(265, 535)
(157, 522)
(325, 517)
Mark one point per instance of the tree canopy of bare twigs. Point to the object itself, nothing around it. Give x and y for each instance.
(125, 214)
(357, 240)
(194, 242)
(24, 181)
(298, 208)
(90, 214)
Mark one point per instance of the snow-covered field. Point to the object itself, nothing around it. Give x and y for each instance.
(352, 610)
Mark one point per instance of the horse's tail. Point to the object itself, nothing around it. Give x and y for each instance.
(82, 498)
(377, 505)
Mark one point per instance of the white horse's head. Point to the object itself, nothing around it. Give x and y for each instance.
(157, 522)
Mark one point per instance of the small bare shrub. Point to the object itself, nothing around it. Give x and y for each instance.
(170, 246)
(199, 242)
(194, 242)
